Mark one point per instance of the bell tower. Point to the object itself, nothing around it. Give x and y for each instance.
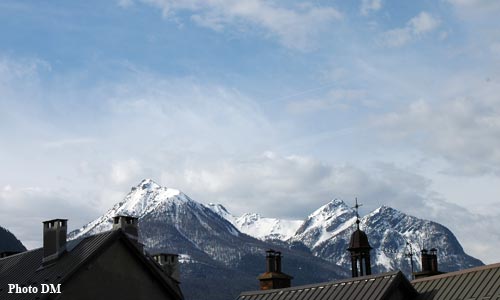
(359, 247)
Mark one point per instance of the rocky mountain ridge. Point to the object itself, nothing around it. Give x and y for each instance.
(215, 246)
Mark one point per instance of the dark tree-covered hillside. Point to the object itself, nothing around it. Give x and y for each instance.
(8, 242)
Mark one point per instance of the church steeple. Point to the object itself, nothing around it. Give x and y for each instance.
(359, 247)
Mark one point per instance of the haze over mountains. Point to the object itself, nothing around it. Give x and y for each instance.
(216, 247)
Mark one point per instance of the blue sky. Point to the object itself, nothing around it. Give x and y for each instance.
(252, 102)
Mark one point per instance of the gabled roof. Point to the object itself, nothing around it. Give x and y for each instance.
(371, 287)
(470, 284)
(26, 268)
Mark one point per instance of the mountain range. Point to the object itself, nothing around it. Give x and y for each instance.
(221, 254)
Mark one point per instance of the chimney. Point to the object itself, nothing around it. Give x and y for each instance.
(128, 225)
(270, 260)
(433, 260)
(277, 261)
(54, 239)
(169, 263)
(429, 264)
(273, 278)
(426, 266)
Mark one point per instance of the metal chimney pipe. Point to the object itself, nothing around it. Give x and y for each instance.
(270, 261)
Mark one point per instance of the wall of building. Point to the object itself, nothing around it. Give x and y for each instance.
(114, 274)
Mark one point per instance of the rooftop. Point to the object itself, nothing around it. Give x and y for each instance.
(371, 287)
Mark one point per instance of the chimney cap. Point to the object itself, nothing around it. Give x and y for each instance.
(165, 253)
(125, 217)
(54, 220)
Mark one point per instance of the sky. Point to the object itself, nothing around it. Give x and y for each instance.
(275, 107)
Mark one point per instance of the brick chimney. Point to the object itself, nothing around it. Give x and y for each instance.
(273, 278)
(429, 264)
(54, 239)
(169, 263)
(128, 225)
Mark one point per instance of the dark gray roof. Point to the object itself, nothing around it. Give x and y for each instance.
(26, 268)
(371, 287)
(470, 284)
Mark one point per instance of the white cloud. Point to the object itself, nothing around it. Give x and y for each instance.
(296, 27)
(396, 37)
(417, 26)
(24, 210)
(459, 221)
(304, 183)
(293, 186)
(368, 6)
(200, 138)
(125, 171)
(11, 69)
(423, 23)
(462, 128)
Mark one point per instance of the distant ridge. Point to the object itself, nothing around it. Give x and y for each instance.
(9, 242)
(212, 250)
(216, 247)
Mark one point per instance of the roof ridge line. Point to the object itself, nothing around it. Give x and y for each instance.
(320, 284)
(459, 272)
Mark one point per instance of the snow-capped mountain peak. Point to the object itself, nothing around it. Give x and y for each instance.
(207, 236)
(330, 210)
(257, 226)
(248, 219)
(148, 184)
(222, 211)
(325, 222)
(145, 197)
(141, 200)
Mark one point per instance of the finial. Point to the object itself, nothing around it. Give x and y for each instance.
(357, 213)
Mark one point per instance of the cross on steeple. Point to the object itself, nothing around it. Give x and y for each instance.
(357, 213)
(359, 247)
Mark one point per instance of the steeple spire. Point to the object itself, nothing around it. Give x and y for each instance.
(357, 212)
(359, 247)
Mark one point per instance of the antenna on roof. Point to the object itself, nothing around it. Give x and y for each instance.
(409, 254)
(357, 213)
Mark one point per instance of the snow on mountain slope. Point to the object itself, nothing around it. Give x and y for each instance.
(327, 231)
(212, 250)
(267, 228)
(142, 200)
(325, 223)
(258, 227)
(388, 232)
(222, 211)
